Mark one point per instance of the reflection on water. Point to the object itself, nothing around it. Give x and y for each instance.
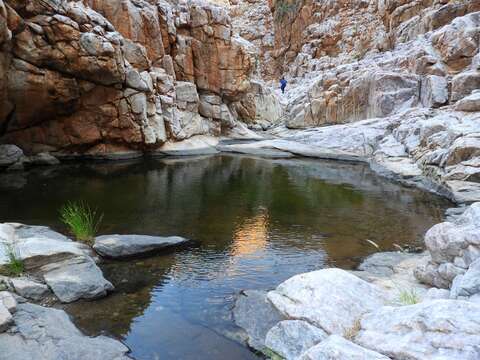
(251, 235)
(255, 223)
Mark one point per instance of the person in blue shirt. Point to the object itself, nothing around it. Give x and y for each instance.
(283, 84)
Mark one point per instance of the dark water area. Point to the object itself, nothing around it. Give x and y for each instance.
(254, 222)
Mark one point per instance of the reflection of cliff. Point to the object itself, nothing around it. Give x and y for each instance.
(255, 222)
(209, 195)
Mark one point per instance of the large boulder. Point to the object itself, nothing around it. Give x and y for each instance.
(439, 329)
(75, 279)
(47, 333)
(331, 299)
(117, 246)
(337, 348)
(453, 246)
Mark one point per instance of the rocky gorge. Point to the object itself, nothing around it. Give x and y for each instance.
(393, 84)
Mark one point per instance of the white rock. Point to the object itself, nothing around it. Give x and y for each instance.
(438, 329)
(331, 299)
(434, 91)
(337, 348)
(290, 338)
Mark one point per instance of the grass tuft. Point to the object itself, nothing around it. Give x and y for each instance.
(81, 219)
(15, 266)
(408, 297)
(350, 334)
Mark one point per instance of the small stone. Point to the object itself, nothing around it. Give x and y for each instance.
(29, 289)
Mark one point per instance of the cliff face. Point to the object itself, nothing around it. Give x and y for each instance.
(102, 76)
(366, 59)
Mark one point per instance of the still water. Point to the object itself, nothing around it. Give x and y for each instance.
(254, 223)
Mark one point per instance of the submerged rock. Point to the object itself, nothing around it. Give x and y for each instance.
(256, 315)
(337, 348)
(118, 246)
(331, 299)
(438, 329)
(46, 333)
(290, 338)
(383, 263)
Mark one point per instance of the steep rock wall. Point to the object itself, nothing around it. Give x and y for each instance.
(98, 77)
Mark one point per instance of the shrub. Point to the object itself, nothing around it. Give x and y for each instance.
(81, 220)
(15, 266)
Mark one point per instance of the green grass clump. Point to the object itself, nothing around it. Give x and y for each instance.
(408, 297)
(81, 219)
(15, 266)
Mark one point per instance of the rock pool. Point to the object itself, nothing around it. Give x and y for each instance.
(255, 222)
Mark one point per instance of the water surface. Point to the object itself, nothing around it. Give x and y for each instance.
(255, 223)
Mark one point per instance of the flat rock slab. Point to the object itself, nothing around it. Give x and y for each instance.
(337, 348)
(121, 246)
(437, 329)
(383, 263)
(47, 333)
(256, 315)
(331, 299)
